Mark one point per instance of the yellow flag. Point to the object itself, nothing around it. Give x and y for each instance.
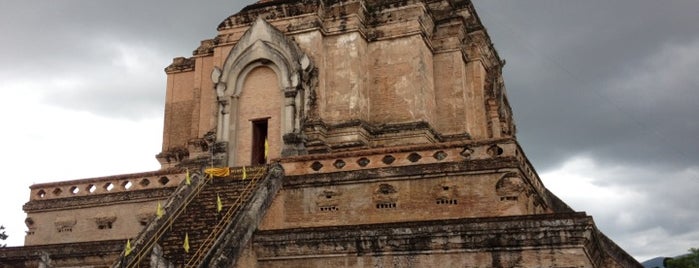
(266, 149)
(219, 205)
(186, 243)
(159, 211)
(245, 174)
(187, 179)
(127, 251)
(218, 172)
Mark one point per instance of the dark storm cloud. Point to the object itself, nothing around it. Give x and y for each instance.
(648, 211)
(565, 61)
(49, 41)
(612, 81)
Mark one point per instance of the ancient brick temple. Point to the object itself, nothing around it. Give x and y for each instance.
(352, 133)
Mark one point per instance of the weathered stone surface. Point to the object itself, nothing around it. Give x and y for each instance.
(379, 62)
(125, 198)
(549, 240)
(97, 254)
(193, 212)
(396, 138)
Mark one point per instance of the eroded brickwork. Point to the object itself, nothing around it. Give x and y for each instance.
(391, 138)
(376, 65)
(260, 100)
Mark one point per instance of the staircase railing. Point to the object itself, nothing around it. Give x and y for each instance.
(141, 249)
(221, 225)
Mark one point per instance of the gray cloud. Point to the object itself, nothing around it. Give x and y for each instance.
(610, 80)
(83, 41)
(614, 82)
(567, 60)
(649, 211)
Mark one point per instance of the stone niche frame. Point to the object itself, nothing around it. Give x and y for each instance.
(263, 45)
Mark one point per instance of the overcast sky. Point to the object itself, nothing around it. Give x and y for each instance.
(604, 95)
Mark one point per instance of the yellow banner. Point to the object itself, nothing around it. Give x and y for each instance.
(185, 245)
(219, 204)
(159, 211)
(218, 172)
(128, 249)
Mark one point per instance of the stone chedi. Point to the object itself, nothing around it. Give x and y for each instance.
(354, 133)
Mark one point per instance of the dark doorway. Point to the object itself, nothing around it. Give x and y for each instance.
(259, 136)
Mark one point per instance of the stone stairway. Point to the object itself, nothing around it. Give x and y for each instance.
(197, 217)
(200, 216)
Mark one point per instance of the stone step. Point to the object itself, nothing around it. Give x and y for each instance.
(200, 217)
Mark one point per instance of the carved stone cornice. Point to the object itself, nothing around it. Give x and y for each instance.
(374, 20)
(19, 256)
(449, 36)
(531, 232)
(480, 48)
(508, 234)
(391, 173)
(321, 135)
(270, 10)
(205, 48)
(180, 64)
(172, 155)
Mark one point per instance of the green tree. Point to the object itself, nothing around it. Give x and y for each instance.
(3, 236)
(690, 260)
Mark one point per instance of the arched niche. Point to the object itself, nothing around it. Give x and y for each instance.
(262, 46)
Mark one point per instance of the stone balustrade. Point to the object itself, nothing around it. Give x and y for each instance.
(415, 155)
(107, 185)
(403, 156)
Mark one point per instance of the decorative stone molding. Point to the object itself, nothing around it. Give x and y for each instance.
(446, 193)
(29, 222)
(199, 151)
(481, 49)
(264, 45)
(31, 228)
(495, 151)
(268, 10)
(145, 215)
(466, 152)
(104, 220)
(328, 200)
(172, 156)
(180, 64)
(355, 134)
(400, 156)
(510, 187)
(205, 48)
(385, 196)
(64, 224)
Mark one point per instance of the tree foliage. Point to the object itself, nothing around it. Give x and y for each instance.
(690, 260)
(3, 236)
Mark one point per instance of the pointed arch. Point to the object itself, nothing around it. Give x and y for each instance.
(263, 46)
